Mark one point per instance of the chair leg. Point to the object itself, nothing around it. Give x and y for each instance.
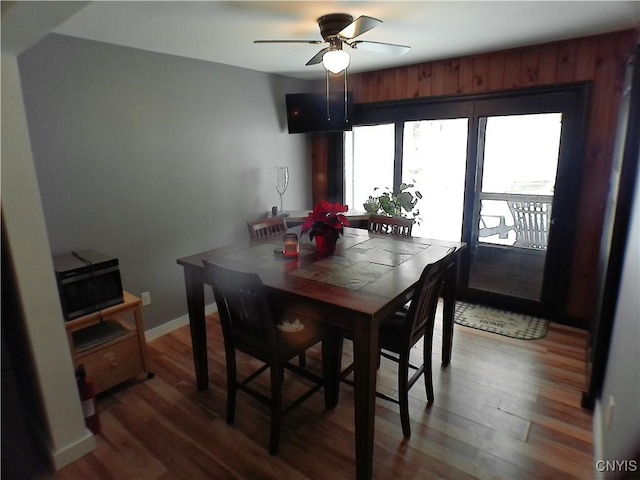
(277, 374)
(428, 374)
(302, 360)
(232, 386)
(403, 394)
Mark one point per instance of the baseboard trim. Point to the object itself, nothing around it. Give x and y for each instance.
(64, 456)
(174, 324)
(598, 449)
(576, 322)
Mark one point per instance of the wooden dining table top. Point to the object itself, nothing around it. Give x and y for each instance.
(369, 273)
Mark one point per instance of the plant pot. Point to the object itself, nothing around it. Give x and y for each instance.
(326, 243)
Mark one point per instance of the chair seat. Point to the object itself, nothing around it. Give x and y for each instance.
(295, 331)
(292, 342)
(391, 331)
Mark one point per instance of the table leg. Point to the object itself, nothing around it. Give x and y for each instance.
(365, 353)
(449, 299)
(197, 325)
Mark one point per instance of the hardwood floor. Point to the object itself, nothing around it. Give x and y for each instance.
(504, 408)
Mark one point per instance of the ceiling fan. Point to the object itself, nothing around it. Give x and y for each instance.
(338, 29)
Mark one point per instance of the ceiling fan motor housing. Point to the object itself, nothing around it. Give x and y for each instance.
(333, 23)
(338, 29)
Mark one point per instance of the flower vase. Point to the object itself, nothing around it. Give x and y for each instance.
(326, 243)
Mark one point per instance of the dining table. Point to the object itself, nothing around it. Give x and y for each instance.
(368, 278)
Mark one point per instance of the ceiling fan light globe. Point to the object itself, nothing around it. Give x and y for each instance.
(336, 60)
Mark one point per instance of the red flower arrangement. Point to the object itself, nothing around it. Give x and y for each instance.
(326, 219)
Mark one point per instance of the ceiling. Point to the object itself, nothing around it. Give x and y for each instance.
(223, 31)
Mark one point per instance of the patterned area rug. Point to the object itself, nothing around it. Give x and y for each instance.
(501, 322)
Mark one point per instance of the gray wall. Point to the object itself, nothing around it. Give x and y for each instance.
(150, 157)
(617, 432)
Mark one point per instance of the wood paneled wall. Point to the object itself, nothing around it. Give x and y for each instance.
(598, 59)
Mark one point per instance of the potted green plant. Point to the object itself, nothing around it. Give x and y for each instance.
(403, 204)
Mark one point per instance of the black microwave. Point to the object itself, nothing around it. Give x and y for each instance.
(88, 281)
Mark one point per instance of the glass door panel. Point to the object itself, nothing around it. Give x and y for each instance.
(517, 165)
(434, 159)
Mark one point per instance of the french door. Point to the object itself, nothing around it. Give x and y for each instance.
(497, 172)
(514, 197)
(523, 183)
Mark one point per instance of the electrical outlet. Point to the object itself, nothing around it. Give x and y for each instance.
(146, 298)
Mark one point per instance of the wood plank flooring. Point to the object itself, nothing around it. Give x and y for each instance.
(504, 408)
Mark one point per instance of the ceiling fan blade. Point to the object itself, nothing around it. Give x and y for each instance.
(317, 58)
(312, 42)
(359, 26)
(380, 47)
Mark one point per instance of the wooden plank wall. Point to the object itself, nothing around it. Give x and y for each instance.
(598, 59)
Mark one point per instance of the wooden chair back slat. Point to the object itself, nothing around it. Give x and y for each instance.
(390, 225)
(244, 312)
(266, 227)
(422, 310)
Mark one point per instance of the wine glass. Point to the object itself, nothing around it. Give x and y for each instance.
(282, 181)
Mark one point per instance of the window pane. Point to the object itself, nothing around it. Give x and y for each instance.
(520, 159)
(521, 154)
(518, 167)
(434, 159)
(496, 223)
(368, 162)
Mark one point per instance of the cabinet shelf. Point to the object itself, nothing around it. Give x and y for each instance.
(110, 343)
(98, 335)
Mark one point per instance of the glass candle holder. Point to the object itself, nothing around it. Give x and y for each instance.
(290, 245)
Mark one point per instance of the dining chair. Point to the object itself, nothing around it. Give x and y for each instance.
(403, 330)
(253, 326)
(392, 225)
(265, 227)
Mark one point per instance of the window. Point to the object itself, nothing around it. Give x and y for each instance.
(433, 159)
(368, 162)
(485, 165)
